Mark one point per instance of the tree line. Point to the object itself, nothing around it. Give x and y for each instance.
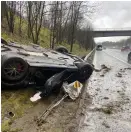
(118, 44)
(66, 20)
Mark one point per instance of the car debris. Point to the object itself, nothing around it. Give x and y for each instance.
(122, 70)
(36, 97)
(105, 109)
(102, 75)
(104, 70)
(103, 66)
(119, 74)
(72, 91)
(106, 98)
(105, 124)
(46, 69)
(96, 70)
(129, 68)
(43, 116)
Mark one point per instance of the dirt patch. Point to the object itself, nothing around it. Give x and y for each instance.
(119, 74)
(14, 104)
(19, 114)
(64, 118)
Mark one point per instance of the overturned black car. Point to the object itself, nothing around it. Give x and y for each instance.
(23, 65)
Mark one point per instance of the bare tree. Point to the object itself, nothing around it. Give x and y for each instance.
(75, 12)
(3, 9)
(54, 19)
(10, 14)
(67, 21)
(19, 13)
(35, 11)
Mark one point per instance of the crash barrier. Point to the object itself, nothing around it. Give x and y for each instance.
(87, 58)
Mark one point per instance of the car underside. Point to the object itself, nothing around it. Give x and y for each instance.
(24, 65)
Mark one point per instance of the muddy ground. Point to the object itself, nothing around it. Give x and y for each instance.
(64, 118)
(20, 115)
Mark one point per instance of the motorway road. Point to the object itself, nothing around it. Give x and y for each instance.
(110, 92)
(118, 54)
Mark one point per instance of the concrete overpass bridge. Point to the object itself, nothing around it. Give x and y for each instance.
(111, 32)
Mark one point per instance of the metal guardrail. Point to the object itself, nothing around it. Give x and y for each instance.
(89, 54)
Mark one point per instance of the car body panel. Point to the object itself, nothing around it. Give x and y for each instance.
(43, 58)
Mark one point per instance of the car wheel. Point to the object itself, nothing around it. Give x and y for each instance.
(84, 71)
(62, 49)
(15, 85)
(13, 68)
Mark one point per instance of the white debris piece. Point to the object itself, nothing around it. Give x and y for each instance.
(36, 97)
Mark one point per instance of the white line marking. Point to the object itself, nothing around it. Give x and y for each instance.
(117, 58)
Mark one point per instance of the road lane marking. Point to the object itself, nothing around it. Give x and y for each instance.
(117, 58)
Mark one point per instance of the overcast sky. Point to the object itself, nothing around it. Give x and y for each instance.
(112, 14)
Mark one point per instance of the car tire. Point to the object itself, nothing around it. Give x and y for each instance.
(15, 85)
(84, 71)
(62, 49)
(13, 69)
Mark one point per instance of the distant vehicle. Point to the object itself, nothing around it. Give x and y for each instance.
(129, 57)
(125, 48)
(99, 47)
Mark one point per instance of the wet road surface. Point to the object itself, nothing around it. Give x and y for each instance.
(110, 91)
(118, 54)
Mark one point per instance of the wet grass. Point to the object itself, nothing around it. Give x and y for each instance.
(44, 41)
(16, 102)
(44, 38)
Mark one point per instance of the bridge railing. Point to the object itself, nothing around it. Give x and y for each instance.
(113, 29)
